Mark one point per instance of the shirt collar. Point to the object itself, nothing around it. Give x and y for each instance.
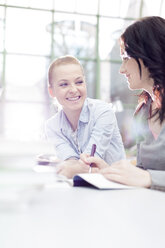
(84, 115)
(65, 125)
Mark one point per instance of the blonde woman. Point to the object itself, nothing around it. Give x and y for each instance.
(82, 121)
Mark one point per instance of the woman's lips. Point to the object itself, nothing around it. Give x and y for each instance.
(73, 98)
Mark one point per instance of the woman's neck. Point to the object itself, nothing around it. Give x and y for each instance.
(154, 122)
(73, 118)
(149, 90)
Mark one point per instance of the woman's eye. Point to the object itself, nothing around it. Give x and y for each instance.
(125, 58)
(63, 84)
(80, 82)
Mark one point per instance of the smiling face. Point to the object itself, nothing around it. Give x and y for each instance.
(69, 87)
(131, 70)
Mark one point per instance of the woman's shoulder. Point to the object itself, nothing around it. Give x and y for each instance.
(55, 120)
(99, 105)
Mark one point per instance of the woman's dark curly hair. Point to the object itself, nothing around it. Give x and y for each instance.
(145, 40)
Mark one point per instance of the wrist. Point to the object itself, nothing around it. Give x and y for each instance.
(147, 183)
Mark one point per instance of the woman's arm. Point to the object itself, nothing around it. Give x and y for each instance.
(105, 134)
(63, 146)
(71, 167)
(157, 179)
(122, 172)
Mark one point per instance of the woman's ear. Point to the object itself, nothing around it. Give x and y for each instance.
(51, 92)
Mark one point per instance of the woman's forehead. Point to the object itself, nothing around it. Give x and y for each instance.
(122, 47)
(122, 50)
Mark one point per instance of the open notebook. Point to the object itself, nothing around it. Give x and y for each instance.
(98, 181)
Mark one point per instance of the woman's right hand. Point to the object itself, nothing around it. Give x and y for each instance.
(95, 161)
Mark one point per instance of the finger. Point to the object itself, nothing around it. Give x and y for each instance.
(94, 160)
(83, 165)
(98, 162)
(83, 157)
(94, 170)
(81, 161)
(84, 168)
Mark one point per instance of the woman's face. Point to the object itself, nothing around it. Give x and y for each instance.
(130, 69)
(69, 87)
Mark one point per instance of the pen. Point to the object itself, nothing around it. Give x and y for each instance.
(93, 150)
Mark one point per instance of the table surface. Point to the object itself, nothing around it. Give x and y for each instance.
(63, 216)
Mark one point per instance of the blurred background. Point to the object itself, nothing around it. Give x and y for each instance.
(34, 32)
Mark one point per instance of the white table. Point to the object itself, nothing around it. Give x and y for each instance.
(85, 217)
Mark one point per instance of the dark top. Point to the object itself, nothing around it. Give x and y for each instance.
(150, 151)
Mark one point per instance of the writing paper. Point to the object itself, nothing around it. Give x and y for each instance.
(96, 180)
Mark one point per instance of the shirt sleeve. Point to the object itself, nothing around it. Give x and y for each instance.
(104, 128)
(63, 147)
(157, 179)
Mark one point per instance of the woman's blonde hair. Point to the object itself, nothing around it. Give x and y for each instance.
(63, 60)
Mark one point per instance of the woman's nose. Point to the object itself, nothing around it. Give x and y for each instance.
(73, 88)
(122, 69)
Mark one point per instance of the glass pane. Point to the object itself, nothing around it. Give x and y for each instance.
(65, 5)
(24, 3)
(26, 31)
(90, 75)
(48, 4)
(1, 72)
(74, 35)
(130, 8)
(41, 4)
(162, 10)
(1, 28)
(105, 81)
(126, 8)
(25, 70)
(108, 37)
(151, 7)
(119, 87)
(22, 120)
(112, 11)
(29, 75)
(87, 7)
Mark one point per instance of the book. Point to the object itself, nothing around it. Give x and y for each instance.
(96, 180)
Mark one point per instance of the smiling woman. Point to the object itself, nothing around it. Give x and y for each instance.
(82, 121)
(69, 88)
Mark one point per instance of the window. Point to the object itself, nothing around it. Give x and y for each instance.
(34, 32)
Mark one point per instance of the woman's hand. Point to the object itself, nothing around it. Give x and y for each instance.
(95, 161)
(124, 172)
(70, 168)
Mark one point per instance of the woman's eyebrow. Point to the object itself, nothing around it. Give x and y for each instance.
(78, 78)
(62, 80)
